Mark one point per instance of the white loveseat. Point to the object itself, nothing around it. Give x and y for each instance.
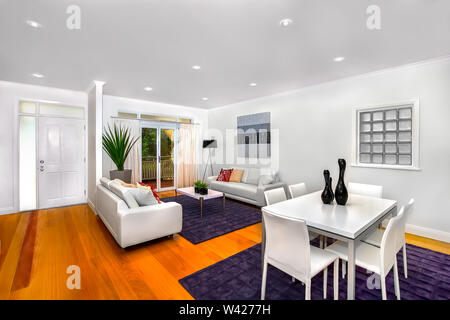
(130, 226)
(251, 188)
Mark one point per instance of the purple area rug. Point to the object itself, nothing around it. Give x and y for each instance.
(214, 222)
(239, 278)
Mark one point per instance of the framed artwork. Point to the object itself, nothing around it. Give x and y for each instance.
(253, 135)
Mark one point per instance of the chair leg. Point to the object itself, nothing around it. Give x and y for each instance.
(396, 282)
(336, 279)
(344, 269)
(405, 262)
(308, 290)
(325, 278)
(263, 285)
(321, 242)
(383, 287)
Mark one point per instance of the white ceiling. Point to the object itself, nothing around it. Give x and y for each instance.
(131, 44)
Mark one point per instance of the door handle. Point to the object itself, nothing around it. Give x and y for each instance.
(41, 168)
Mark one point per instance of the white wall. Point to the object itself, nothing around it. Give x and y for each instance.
(10, 94)
(112, 105)
(315, 127)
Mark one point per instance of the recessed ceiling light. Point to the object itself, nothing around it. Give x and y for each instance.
(37, 75)
(34, 24)
(339, 59)
(285, 22)
(196, 67)
(253, 84)
(148, 88)
(205, 99)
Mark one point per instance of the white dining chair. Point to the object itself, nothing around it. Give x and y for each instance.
(362, 189)
(378, 260)
(287, 248)
(365, 189)
(274, 196)
(297, 190)
(375, 237)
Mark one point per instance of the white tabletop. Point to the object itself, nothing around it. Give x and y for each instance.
(190, 192)
(349, 221)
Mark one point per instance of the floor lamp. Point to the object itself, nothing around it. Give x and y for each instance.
(209, 144)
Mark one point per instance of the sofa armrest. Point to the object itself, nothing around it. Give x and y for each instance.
(261, 188)
(149, 222)
(211, 179)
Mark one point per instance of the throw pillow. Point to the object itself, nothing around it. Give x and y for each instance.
(124, 194)
(150, 188)
(236, 175)
(253, 176)
(224, 175)
(265, 180)
(143, 197)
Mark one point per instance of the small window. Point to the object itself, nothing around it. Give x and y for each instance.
(158, 118)
(127, 115)
(27, 107)
(387, 137)
(61, 110)
(184, 120)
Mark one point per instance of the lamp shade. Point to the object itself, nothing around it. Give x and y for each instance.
(209, 144)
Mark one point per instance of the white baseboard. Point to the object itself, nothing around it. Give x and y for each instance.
(7, 210)
(92, 206)
(428, 233)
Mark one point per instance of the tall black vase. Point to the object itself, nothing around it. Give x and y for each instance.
(327, 194)
(341, 193)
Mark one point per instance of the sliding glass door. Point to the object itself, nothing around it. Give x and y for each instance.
(159, 155)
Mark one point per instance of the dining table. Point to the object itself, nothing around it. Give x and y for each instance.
(351, 222)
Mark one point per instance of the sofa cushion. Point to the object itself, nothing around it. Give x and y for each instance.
(149, 187)
(265, 179)
(224, 175)
(124, 194)
(143, 196)
(243, 190)
(252, 176)
(236, 175)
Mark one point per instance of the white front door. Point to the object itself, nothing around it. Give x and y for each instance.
(61, 162)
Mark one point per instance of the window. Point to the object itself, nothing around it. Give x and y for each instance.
(158, 118)
(388, 136)
(153, 117)
(127, 115)
(50, 109)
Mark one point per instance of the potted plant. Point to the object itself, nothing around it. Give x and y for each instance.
(117, 143)
(200, 187)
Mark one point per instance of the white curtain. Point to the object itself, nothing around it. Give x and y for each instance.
(186, 158)
(133, 161)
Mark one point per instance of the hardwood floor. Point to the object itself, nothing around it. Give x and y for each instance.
(37, 247)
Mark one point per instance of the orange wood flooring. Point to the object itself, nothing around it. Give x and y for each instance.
(37, 247)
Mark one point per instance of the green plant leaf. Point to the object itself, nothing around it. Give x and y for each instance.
(117, 144)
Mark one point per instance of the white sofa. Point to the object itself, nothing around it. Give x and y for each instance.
(251, 188)
(130, 226)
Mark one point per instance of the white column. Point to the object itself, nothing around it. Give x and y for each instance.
(94, 129)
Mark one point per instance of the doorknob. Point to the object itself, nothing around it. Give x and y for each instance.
(42, 161)
(41, 168)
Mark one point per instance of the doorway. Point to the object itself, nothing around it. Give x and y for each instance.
(52, 159)
(159, 145)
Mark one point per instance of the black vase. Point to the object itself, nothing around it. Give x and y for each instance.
(327, 194)
(341, 193)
